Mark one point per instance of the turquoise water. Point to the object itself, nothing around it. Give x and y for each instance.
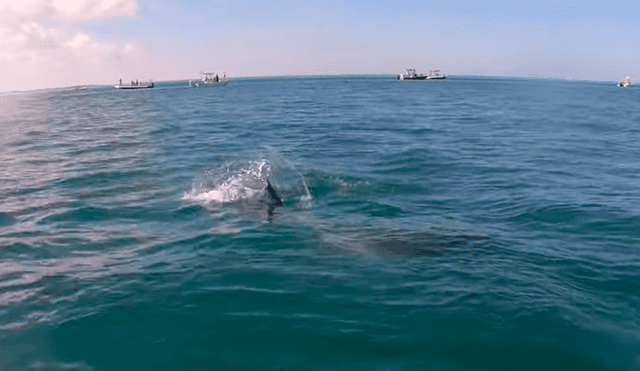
(468, 224)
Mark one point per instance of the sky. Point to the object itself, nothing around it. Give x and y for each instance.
(58, 43)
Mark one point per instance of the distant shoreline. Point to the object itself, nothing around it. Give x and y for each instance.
(281, 77)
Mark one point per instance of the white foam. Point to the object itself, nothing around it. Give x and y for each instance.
(248, 184)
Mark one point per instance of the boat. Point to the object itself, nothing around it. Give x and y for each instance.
(626, 82)
(210, 79)
(411, 75)
(134, 85)
(436, 75)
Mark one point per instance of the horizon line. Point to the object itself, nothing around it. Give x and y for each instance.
(530, 77)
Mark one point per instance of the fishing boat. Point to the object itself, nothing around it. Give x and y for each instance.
(626, 82)
(436, 75)
(134, 85)
(411, 75)
(210, 79)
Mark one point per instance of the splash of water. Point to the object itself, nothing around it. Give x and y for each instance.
(243, 185)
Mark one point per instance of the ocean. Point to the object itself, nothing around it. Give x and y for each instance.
(472, 223)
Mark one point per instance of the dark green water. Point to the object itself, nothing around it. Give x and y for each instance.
(466, 224)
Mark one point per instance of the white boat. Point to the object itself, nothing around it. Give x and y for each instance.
(411, 75)
(436, 75)
(134, 85)
(210, 79)
(626, 82)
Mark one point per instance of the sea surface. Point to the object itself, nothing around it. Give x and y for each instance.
(473, 223)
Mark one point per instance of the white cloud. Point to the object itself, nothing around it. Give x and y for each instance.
(78, 10)
(27, 48)
(67, 10)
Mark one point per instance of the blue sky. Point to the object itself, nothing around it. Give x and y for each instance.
(48, 43)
